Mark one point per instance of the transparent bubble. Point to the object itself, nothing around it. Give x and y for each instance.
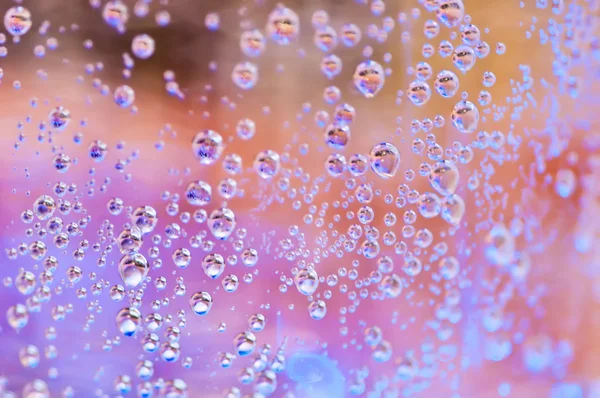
(419, 92)
(350, 35)
(489, 79)
(249, 257)
(227, 188)
(142, 46)
(331, 66)
(373, 335)
(335, 164)
(17, 20)
(446, 83)
(244, 343)
(320, 19)
(145, 219)
(465, 117)
(445, 49)
(383, 351)
(170, 351)
(500, 245)
(115, 206)
(97, 150)
(34, 389)
(423, 71)
(470, 34)
(124, 96)
(133, 269)
(201, 303)
(129, 321)
(444, 177)
(230, 283)
(198, 193)
(266, 383)
(17, 316)
(207, 146)
(406, 368)
(245, 75)
(325, 38)
(252, 43)
(306, 281)
(245, 129)
(59, 117)
(212, 21)
(317, 309)
(283, 25)
(344, 114)
(449, 267)
(176, 388)
(221, 223)
(257, 322)
(464, 58)
(213, 265)
(384, 159)
(62, 163)
(431, 29)
(391, 285)
(453, 209)
(450, 12)
(482, 49)
(337, 136)
(130, 240)
(44, 207)
(25, 282)
(358, 164)
(429, 205)
(267, 164)
(369, 78)
(115, 13)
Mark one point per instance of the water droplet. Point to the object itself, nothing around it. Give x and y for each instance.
(17, 20)
(207, 146)
(464, 58)
(198, 193)
(267, 164)
(44, 207)
(465, 117)
(500, 248)
(306, 281)
(221, 223)
(244, 343)
(245, 75)
(429, 205)
(59, 117)
(384, 159)
(444, 177)
(142, 46)
(453, 209)
(451, 12)
(133, 269)
(145, 219)
(369, 78)
(446, 83)
(419, 92)
(124, 96)
(129, 321)
(283, 25)
(201, 303)
(317, 309)
(252, 43)
(213, 265)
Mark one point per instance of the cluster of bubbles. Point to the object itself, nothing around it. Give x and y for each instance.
(386, 247)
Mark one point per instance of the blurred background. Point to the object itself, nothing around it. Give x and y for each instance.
(523, 327)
